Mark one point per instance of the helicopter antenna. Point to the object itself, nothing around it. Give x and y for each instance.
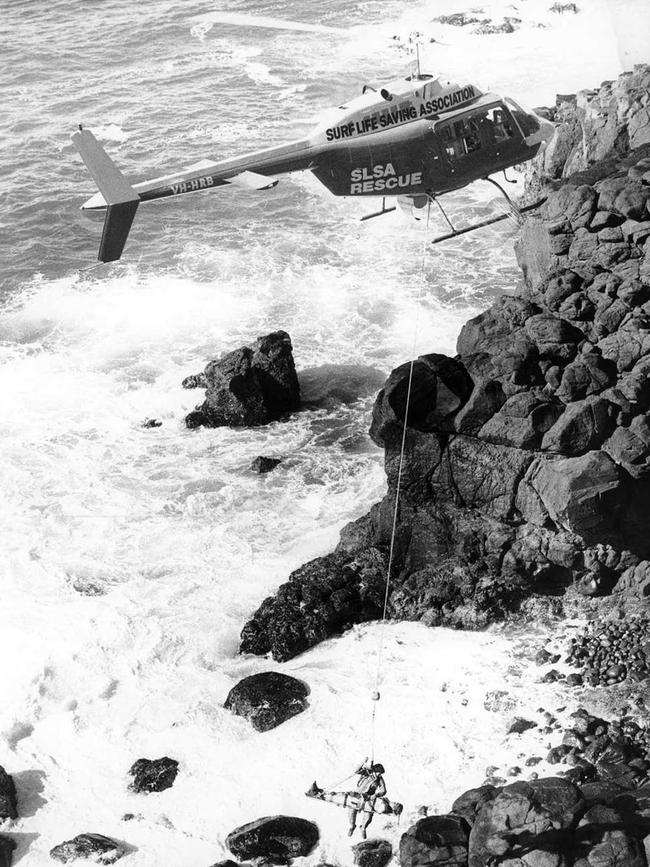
(415, 39)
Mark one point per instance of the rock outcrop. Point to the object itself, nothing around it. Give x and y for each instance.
(267, 699)
(527, 456)
(153, 775)
(275, 839)
(252, 385)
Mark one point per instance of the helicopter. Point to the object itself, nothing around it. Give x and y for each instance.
(413, 139)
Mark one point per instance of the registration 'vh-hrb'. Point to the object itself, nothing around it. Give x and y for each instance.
(194, 184)
(366, 180)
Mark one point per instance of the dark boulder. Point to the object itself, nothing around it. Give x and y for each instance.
(470, 803)
(602, 839)
(372, 853)
(438, 387)
(7, 846)
(584, 426)
(93, 847)
(435, 840)
(527, 819)
(267, 699)
(250, 386)
(153, 775)
(275, 839)
(263, 464)
(8, 805)
(581, 495)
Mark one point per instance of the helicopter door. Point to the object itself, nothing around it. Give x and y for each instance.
(478, 143)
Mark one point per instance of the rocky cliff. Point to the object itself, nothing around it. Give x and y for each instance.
(526, 478)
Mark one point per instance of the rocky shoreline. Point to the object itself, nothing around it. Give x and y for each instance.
(525, 494)
(525, 487)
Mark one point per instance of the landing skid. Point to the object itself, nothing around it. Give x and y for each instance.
(514, 211)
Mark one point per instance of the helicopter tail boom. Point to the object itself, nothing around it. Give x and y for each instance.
(119, 197)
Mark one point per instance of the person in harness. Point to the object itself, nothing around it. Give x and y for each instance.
(368, 798)
(371, 786)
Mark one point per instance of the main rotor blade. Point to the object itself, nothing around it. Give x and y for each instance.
(241, 20)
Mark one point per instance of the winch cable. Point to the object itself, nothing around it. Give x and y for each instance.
(375, 695)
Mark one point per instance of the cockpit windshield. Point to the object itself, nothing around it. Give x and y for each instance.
(527, 122)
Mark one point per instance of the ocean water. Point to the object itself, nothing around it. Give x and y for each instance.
(129, 557)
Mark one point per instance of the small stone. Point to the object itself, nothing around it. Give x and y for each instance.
(151, 422)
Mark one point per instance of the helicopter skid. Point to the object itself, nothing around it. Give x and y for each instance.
(456, 232)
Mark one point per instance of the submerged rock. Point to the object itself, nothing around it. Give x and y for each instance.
(275, 839)
(249, 386)
(93, 847)
(268, 699)
(153, 775)
(263, 464)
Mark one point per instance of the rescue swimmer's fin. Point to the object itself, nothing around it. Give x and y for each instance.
(121, 199)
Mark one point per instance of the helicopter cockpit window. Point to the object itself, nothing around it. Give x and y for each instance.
(528, 123)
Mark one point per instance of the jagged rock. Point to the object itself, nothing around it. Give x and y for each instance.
(153, 775)
(250, 386)
(486, 399)
(583, 427)
(372, 853)
(588, 374)
(470, 803)
(267, 699)
(581, 495)
(263, 464)
(435, 840)
(95, 847)
(319, 600)
(226, 863)
(8, 805)
(522, 421)
(439, 387)
(7, 846)
(532, 819)
(276, 839)
(602, 840)
(195, 380)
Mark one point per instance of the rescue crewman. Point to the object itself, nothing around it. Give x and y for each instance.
(370, 786)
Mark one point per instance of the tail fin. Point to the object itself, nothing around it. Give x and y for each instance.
(121, 199)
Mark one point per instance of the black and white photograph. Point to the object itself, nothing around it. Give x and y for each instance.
(325, 433)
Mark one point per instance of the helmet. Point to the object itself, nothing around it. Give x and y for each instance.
(378, 768)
